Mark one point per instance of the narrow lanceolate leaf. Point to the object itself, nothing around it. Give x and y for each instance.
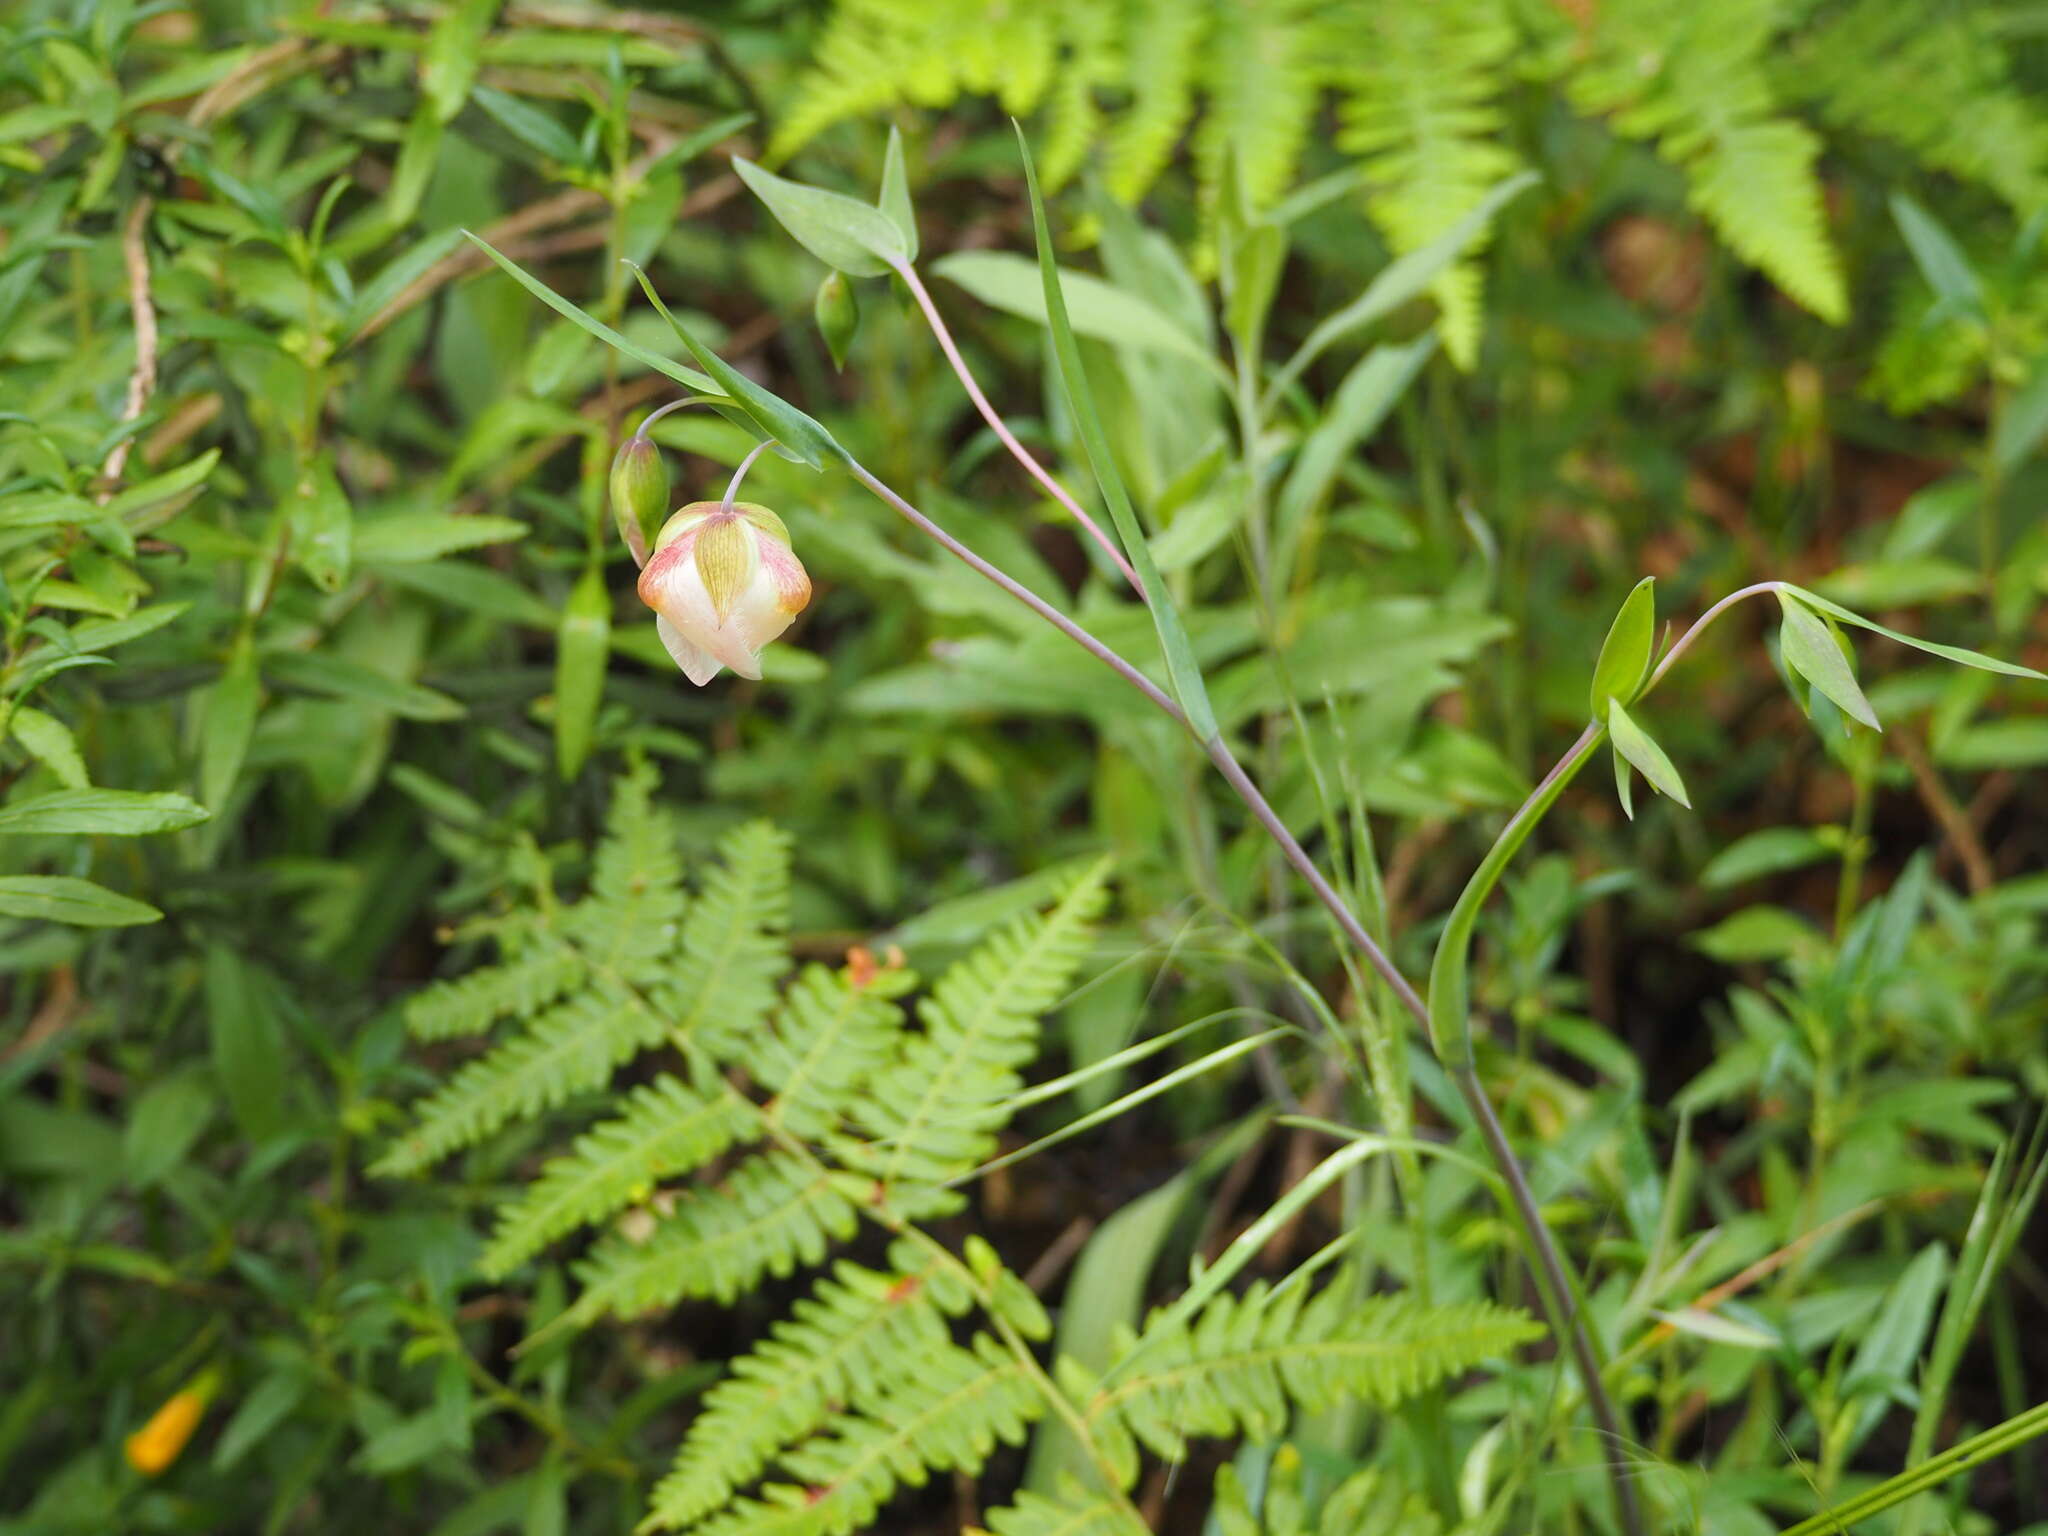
(1096, 309)
(61, 899)
(89, 812)
(843, 232)
(689, 378)
(1625, 654)
(778, 420)
(1634, 743)
(50, 742)
(895, 198)
(228, 718)
(1182, 669)
(665, 1129)
(1953, 653)
(580, 645)
(1811, 649)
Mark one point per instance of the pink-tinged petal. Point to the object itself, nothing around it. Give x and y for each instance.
(659, 574)
(786, 574)
(698, 665)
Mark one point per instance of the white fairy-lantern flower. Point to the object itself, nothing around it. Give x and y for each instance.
(724, 582)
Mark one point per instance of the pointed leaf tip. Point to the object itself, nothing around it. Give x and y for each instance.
(1812, 648)
(1635, 744)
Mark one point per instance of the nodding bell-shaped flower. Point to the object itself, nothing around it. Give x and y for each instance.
(724, 582)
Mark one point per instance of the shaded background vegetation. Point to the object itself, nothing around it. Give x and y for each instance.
(301, 517)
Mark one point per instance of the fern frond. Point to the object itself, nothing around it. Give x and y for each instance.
(1933, 79)
(964, 1402)
(1420, 91)
(572, 1048)
(1168, 36)
(877, 52)
(1261, 95)
(666, 1129)
(933, 1112)
(1075, 1512)
(517, 987)
(732, 948)
(1693, 80)
(1242, 1363)
(828, 1036)
(856, 1336)
(771, 1214)
(627, 922)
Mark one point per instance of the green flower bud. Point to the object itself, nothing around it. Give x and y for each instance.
(639, 490)
(838, 316)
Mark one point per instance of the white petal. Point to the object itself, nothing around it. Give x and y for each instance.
(698, 666)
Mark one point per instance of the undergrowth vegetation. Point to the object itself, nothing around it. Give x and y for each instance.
(1066, 977)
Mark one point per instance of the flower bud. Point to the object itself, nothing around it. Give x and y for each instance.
(639, 491)
(838, 316)
(724, 582)
(157, 1444)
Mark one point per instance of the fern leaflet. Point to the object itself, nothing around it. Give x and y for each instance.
(857, 1335)
(769, 1215)
(666, 1129)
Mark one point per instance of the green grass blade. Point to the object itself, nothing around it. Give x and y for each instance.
(1181, 668)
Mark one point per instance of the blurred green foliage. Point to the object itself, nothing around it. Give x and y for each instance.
(320, 668)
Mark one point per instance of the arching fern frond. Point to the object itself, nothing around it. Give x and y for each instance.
(964, 1402)
(1694, 80)
(856, 1337)
(1933, 79)
(772, 1214)
(1074, 1513)
(732, 949)
(572, 1048)
(933, 1111)
(830, 1034)
(1243, 1364)
(1262, 84)
(666, 1129)
(520, 985)
(1419, 91)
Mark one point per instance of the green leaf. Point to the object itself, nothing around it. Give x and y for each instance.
(1401, 280)
(776, 419)
(1953, 653)
(260, 1412)
(1096, 309)
(89, 812)
(1935, 252)
(453, 53)
(2017, 743)
(1756, 934)
(895, 198)
(2023, 421)
(229, 720)
(689, 378)
(61, 899)
(1625, 654)
(841, 231)
(247, 1042)
(530, 126)
(1183, 670)
(161, 488)
(1624, 782)
(1634, 743)
(322, 527)
(580, 645)
(162, 1125)
(338, 678)
(1769, 852)
(414, 537)
(50, 742)
(1812, 650)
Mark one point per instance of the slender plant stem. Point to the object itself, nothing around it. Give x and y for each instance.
(1552, 1281)
(732, 488)
(997, 425)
